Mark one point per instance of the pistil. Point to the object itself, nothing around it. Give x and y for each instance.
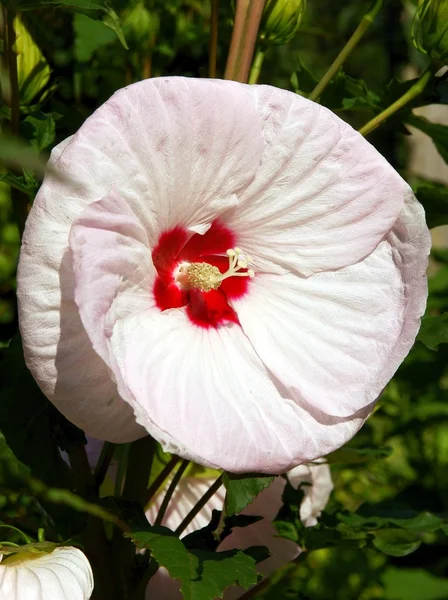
(205, 277)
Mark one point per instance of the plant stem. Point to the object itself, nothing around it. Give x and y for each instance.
(170, 491)
(141, 589)
(139, 461)
(96, 546)
(20, 201)
(213, 44)
(256, 65)
(412, 93)
(147, 65)
(122, 459)
(158, 481)
(254, 591)
(141, 456)
(364, 25)
(11, 57)
(106, 455)
(200, 505)
(244, 37)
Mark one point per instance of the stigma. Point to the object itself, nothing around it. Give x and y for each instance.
(205, 277)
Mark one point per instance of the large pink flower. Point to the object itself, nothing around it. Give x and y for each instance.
(128, 324)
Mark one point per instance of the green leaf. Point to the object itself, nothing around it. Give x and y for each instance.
(413, 584)
(302, 80)
(438, 133)
(371, 517)
(434, 331)
(90, 35)
(128, 511)
(5, 111)
(287, 522)
(203, 575)
(11, 469)
(40, 129)
(348, 93)
(242, 490)
(396, 542)
(434, 198)
(206, 538)
(94, 10)
(31, 431)
(16, 153)
(19, 183)
(33, 71)
(349, 456)
(435, 92)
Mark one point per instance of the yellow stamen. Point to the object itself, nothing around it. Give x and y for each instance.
(205, 277)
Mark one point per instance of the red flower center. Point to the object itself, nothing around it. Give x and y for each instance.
(206, 309)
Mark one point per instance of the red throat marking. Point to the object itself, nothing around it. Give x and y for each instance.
(205, 309)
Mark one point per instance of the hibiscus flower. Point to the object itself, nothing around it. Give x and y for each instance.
(314, 480)
(59, 574)
(232, 269)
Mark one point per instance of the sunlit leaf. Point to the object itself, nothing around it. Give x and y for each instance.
(94, 10)
(242, 490)
(434, 197)
(437, 132)
(203, 575)
(434, 331)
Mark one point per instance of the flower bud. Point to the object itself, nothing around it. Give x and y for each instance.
(430, 29)
(33, 71)
(280, 20)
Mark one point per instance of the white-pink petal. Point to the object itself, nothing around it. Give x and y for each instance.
(63, 574)
(344, 332)
(177, 150)
(322, 198)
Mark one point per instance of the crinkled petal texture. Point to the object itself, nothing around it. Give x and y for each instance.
(64, 574)
(267, 504)
(339, 246)
(177, 150)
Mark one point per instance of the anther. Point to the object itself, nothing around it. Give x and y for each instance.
(205, 277)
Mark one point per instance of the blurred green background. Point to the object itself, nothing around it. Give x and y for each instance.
(88, 63)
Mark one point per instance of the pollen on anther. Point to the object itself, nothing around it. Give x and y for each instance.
(203, 276)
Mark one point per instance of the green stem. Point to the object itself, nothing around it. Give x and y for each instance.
(102, 466)
(412, 93)
(122, 459)
(256, 66)
(248, 15)
(364, 25)
(20, 201)
(141, 456)
(95, 542)
(158, 481)
(213, 45)
(200, 505)
(170, 491)
(254, 591)
(27, 539)
(140, 593)
(139, 461)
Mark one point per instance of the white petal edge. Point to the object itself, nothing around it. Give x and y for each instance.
(185, 120)
(64, 574)
(335, 339)
(323, 196)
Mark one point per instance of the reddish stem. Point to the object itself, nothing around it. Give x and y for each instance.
(244, 37)
(213, 45)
